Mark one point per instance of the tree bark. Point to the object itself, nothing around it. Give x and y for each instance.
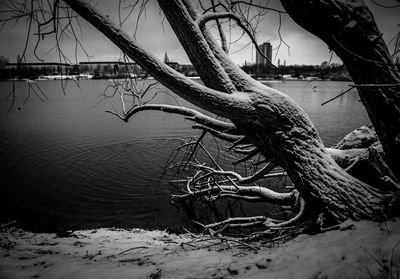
(349, 29)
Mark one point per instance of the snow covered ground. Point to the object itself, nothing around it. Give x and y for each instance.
(359, 250)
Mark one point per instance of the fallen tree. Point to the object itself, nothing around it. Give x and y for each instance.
(330, 183)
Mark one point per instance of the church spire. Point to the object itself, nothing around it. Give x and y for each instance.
(166, 59)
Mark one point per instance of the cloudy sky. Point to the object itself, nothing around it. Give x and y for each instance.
(156, 36)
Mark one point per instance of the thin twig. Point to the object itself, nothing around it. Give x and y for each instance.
(334, 98)
(130, 249)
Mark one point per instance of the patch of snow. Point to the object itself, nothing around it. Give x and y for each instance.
(362, 249)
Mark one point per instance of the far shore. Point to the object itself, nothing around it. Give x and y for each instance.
(89, 76)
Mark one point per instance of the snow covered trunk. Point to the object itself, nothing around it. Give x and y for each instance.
(283, 131)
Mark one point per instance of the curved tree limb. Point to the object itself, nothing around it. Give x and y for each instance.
(220, 30)
(199, 53)
(242, 180)
(256, 192)
(190, 114)
(293, 220)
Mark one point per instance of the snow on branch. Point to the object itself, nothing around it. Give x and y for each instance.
(251, 193)
(190, 114)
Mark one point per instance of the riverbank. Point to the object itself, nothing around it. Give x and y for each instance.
(357, 250)
(147, 77)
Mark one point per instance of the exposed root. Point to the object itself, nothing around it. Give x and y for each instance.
(210, 184)
(242, 180)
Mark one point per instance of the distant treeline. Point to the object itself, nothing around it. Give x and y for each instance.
(96, 69)
(327, 71)
(332, 71)
(32, 72)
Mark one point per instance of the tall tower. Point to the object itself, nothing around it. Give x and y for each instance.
(261, 61)
(266, 49)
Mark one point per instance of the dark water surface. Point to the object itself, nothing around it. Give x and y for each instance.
(66, 164)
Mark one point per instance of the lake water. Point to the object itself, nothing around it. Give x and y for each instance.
(66, 164)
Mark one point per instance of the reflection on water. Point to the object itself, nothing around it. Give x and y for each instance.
(66, 164)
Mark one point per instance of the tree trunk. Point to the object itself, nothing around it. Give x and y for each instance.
(349, 29)
(288, 135)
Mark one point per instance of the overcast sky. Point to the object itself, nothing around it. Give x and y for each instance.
(158, 38)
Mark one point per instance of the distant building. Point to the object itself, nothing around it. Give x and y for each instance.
(266, 50)
(262, 63)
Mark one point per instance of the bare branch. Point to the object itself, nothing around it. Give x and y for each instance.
(337, 96)
(256, 192)
(191, 114)
(235, 222)
(220, 30)
(196, 145)
(233, 3)
(243, 180)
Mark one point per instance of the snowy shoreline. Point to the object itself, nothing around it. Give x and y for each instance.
(360, 250)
